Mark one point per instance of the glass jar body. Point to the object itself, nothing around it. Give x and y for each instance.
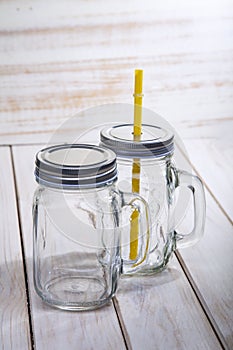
(76, 254)
(157, 181)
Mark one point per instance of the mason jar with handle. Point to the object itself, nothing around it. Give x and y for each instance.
(77, 219)
(149, 161)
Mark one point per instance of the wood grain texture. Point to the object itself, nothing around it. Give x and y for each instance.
(56, 329)
(210, 266)
(213, 160)
(162, 312)
(158, 312)
(14, 321)
(61, 58)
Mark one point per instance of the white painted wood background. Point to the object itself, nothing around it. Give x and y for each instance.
(60, 57)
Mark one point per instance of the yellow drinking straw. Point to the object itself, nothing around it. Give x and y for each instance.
(134, 227)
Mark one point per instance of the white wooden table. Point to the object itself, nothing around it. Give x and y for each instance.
(59, 57)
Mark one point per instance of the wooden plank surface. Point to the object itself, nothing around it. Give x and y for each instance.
(59, 59)
(14, 320)
(162, 312)
(56, 329)
(158, 311)
(213, 160)
(209, 265)
(68, 56)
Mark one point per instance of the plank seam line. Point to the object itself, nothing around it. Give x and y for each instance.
(122, 325)
(22, 249)
(207, 187)
(213, 195)
(24, 144)
(202, 302)
(193, 167)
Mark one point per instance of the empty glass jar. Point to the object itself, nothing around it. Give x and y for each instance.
(77, 219)
(146, 166)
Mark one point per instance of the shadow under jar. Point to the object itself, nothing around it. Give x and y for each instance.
(149, 161)
(76, 226)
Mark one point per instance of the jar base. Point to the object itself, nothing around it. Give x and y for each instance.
(75, 293)
(147, 271)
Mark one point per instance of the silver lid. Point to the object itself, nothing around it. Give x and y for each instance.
(155, 141)
(75, 166)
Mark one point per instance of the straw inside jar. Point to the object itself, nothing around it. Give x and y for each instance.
(134, 226)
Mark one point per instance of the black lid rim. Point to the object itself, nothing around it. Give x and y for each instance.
(92, 175)
(141, 148)
(61, 183)
(142, 153)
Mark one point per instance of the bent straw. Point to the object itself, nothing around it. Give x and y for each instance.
(134, 227)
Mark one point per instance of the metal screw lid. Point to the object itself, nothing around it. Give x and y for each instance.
(73, 166)
(155, 141)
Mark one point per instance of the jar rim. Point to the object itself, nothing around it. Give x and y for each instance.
(75, 166)
(154, 141)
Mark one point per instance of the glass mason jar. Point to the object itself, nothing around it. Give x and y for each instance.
(146, 166)
(77, 212)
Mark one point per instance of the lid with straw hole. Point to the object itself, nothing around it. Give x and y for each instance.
(154, 141)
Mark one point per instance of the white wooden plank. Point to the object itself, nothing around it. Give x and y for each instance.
(162, 312)
(158, 312)
(56, 329)
(14, 320)
(210, 265)
(59, 59)
(213, 160)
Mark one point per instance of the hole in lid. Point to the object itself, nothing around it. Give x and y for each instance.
(137, 135)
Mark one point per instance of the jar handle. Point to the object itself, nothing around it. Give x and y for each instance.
(199, 206)
(140, 224)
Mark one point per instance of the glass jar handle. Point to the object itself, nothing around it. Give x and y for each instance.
(199, 205)
(140, 208)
